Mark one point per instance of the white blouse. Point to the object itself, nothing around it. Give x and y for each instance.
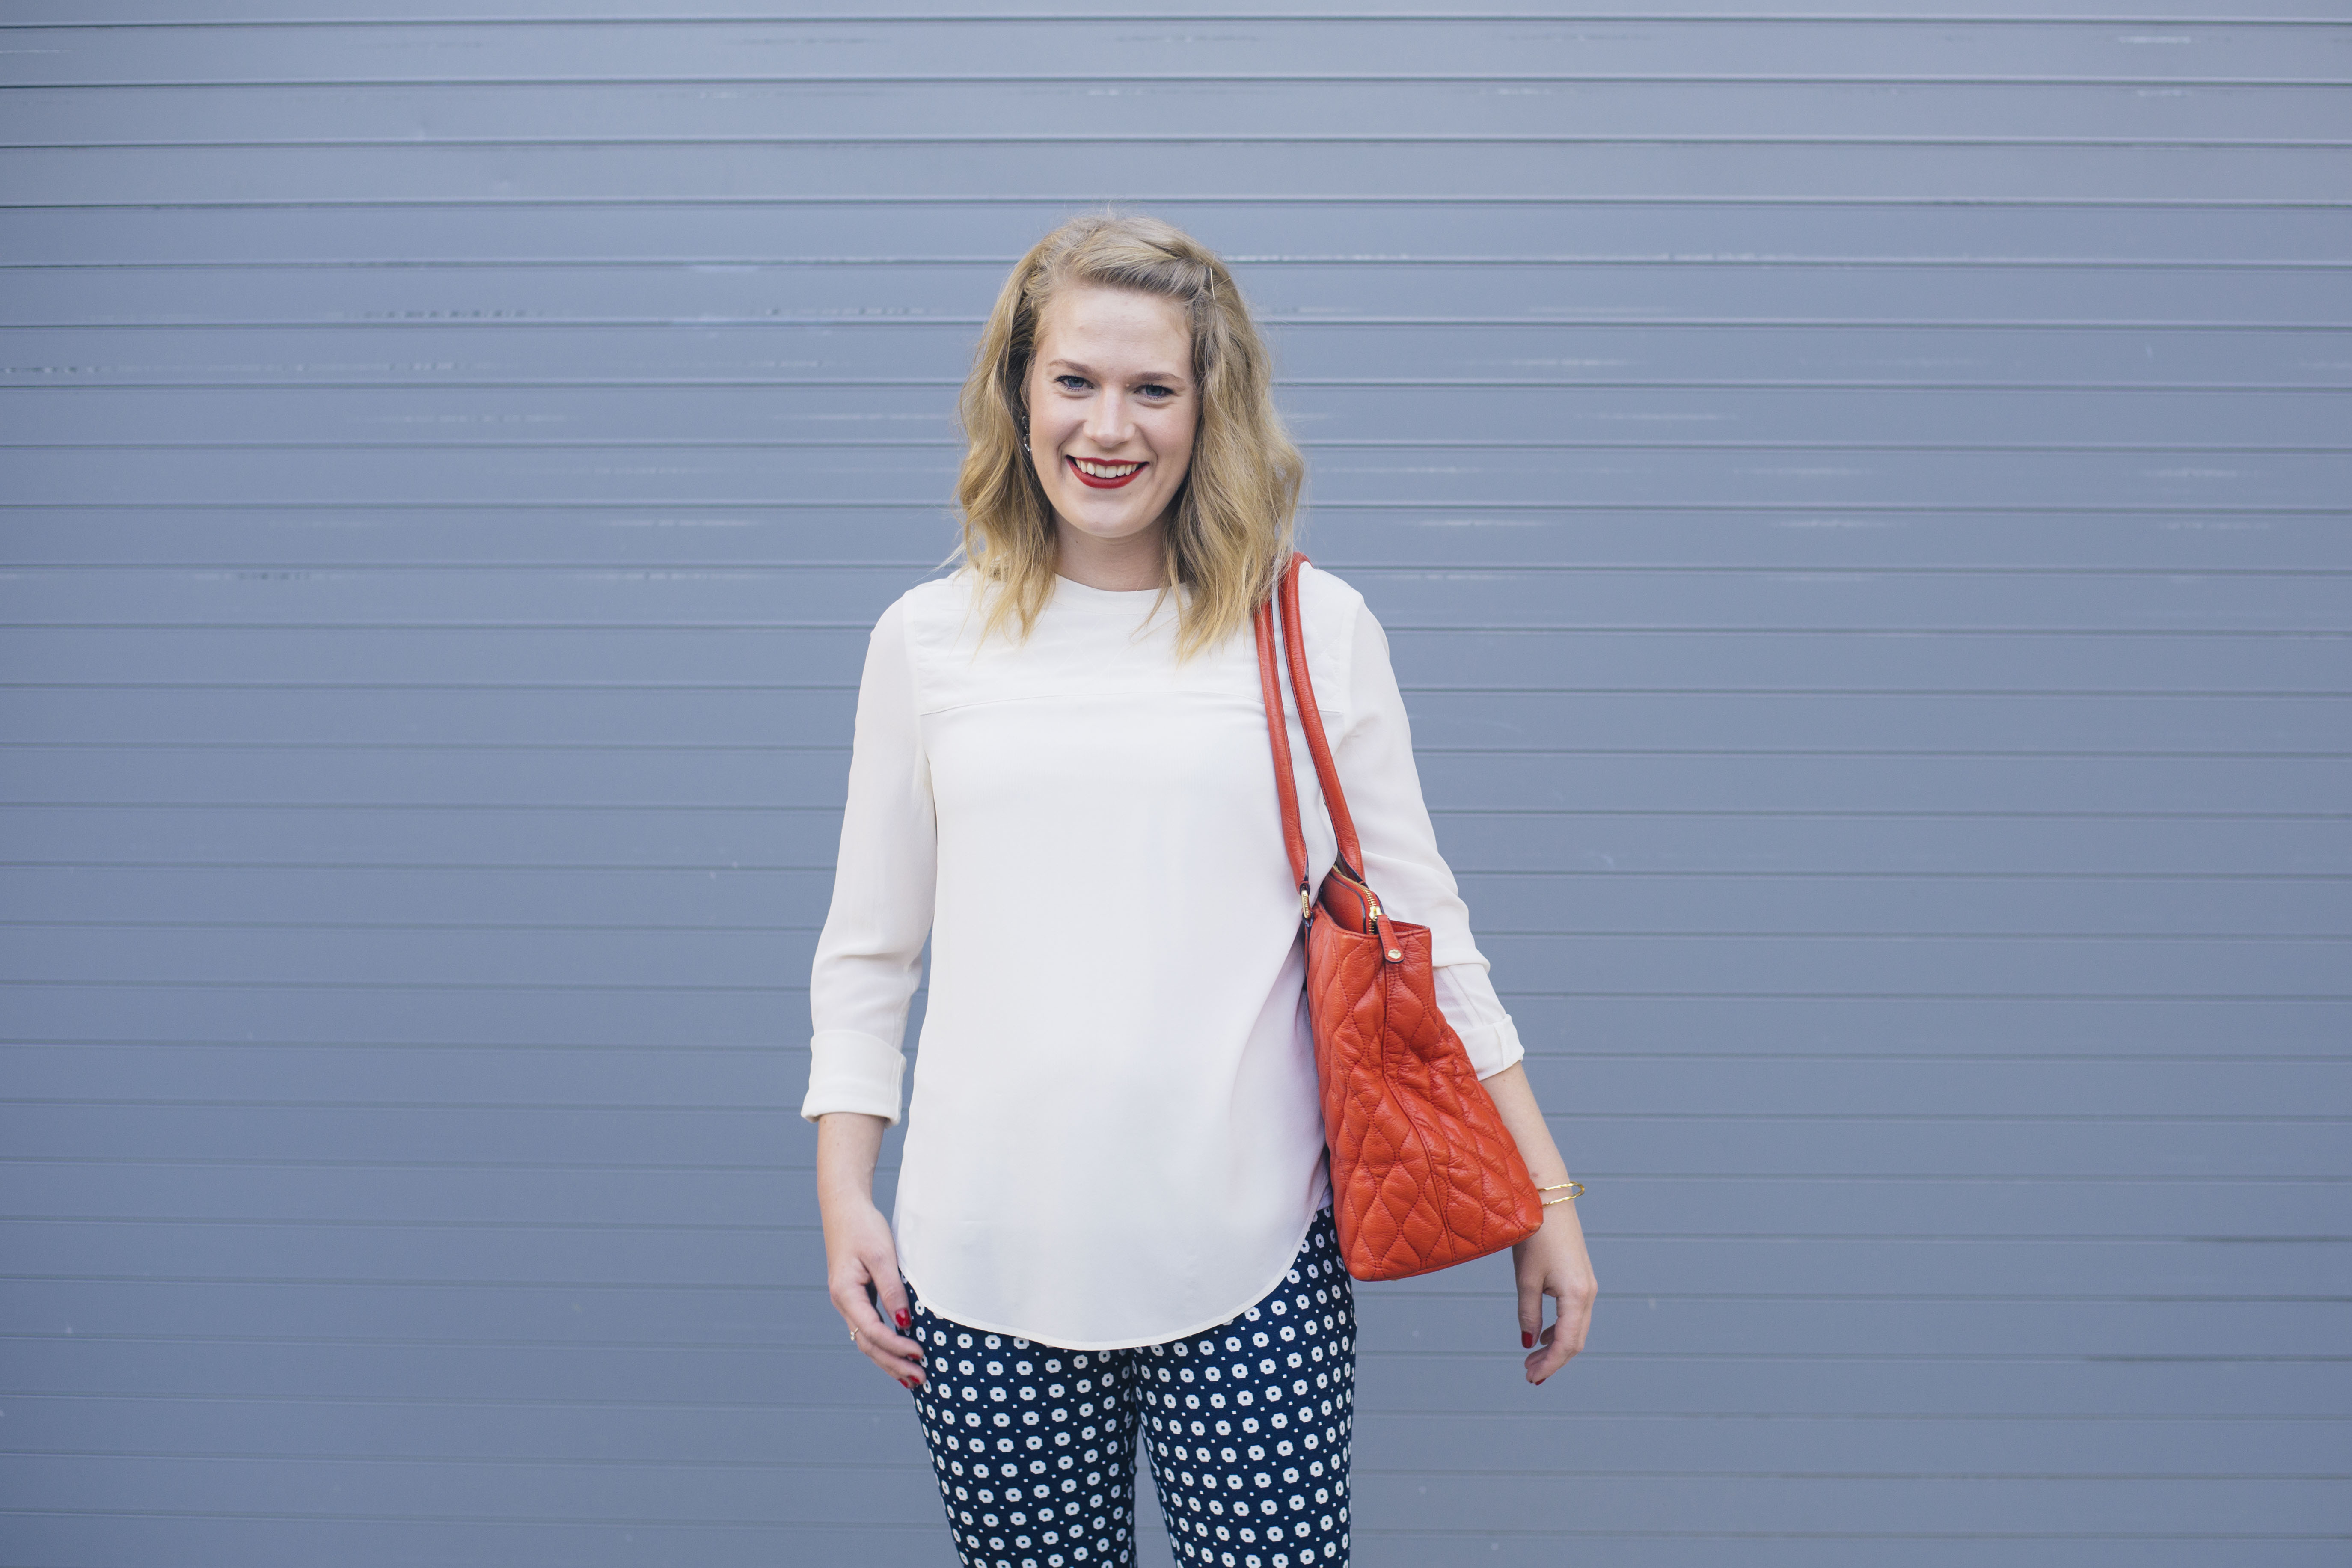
(1115, 1137)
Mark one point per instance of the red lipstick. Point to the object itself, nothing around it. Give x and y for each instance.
(1091, 482)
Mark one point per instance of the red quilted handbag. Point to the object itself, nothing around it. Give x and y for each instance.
(1423, 1173)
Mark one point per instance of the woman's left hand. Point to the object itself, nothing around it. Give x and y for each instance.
(1552, 1262)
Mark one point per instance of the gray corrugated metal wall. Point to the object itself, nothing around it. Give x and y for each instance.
(1860, 504)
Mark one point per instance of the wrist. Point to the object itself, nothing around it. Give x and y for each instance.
(844, 1189)
(1559, 1195)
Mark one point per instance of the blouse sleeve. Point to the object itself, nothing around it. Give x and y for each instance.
(869, 956)
(1375, 758)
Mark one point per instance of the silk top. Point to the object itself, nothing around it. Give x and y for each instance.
(1114, 1136)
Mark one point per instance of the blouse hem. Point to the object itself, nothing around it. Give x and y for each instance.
(963, 1323)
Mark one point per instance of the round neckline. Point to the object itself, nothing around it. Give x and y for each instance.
(1061, 583)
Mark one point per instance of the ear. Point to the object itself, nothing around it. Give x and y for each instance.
(1013, 384)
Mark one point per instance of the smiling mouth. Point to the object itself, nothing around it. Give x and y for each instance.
(1102, 476)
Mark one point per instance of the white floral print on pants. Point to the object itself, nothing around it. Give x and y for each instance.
(1246, 1426)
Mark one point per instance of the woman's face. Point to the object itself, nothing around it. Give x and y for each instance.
(1112, 408)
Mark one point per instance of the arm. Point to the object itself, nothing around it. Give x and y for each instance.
(1374, 753)
(1552, 1262)
(1402, 860)
(858, 1248)
(868, 961)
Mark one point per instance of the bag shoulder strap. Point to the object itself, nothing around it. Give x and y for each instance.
(1310, 719)
(1294, 838)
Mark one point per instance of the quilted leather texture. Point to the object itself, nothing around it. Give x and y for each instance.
(1423, 1173)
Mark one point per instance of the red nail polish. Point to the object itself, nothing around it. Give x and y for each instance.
(904, 1320)
(1526, 1341)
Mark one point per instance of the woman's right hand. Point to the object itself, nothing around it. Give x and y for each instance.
(859, 1252)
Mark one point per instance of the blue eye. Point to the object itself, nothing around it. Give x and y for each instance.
(1074, 382)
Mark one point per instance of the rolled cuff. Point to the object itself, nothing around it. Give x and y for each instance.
(1467, 999)
(1494, 1047)
(850, 1071)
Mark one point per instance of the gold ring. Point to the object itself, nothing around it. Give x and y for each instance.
(852, 1336)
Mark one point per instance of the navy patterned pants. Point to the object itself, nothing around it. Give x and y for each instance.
(1246, 1426)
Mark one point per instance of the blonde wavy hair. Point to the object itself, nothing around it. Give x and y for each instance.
(1230, 527)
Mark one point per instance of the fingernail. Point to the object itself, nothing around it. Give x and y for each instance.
(904, 1320)
(1526, 1341)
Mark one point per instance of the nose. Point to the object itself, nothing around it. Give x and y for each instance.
(1109, 422)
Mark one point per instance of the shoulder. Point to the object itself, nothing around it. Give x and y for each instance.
(1333, 613)
(931, 612)
(1326, 593)
(927, 635)
(899, 648)
(1338, 623)
(1336, 619)
(928, 600)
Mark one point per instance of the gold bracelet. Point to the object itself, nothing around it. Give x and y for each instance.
(1571, 1197)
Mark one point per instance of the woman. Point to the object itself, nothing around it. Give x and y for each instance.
(1112, 1209)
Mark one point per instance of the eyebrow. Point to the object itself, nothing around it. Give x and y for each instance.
(1159, 377)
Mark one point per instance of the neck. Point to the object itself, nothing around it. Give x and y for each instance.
(1114, 565)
